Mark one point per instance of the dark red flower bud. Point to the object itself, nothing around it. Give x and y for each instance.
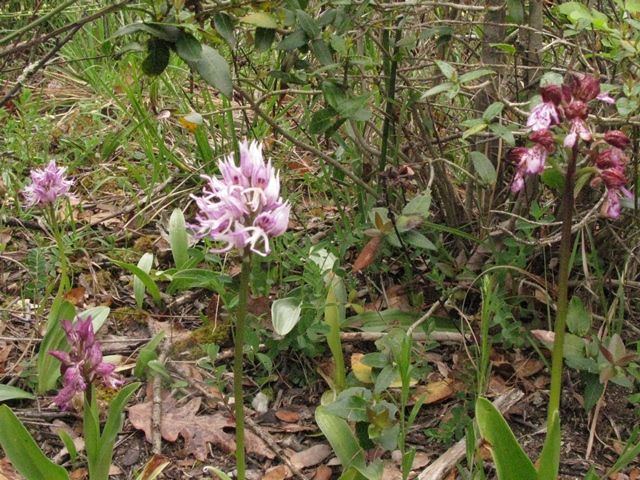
(588, 88)
(614, 177)
(552, 94)
(617, 139)
(576, 109)
(544, 138)
(610, 158)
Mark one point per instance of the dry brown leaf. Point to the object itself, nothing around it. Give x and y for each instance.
(368, 254)
(634, 474)
(420, 460)
(525, 367)
(389, 473)
(7, 472)
(311, 456)
(436, 391)
(287, 416)
(154, 466)
(79, 474)
(75, 296)
(277, 473)
(322, 473)
(197, 430)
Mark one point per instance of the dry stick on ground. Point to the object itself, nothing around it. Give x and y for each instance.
(350, 337)
(156, 412)
(438, 469)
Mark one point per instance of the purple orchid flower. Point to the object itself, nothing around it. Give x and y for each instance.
(83, 364)
(244, 208)
(47, 185)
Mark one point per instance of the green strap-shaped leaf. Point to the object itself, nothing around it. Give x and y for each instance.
(54, 338)
(144, 278)
(178, 238)
(342, 439)
(8, 392)
(550, 456)
(510, 460)
(23, 452)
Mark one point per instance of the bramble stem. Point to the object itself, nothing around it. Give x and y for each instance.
(238, 358)
(563, 283)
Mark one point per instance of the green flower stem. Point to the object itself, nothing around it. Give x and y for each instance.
(563, 283)
(238, 358)
(64, 280)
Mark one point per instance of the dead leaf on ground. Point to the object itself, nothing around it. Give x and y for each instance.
(311, 456)
(277, 473)
(525, 367)
(436, 391)
(368, 254)
(323, 473)
(197, 430)
(7, 472)
(287, 416)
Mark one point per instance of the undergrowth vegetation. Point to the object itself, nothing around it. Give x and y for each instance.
(422, 267)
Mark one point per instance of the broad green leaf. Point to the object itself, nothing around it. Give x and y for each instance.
(145, 264)
(447, 70)
(214, 69)
(443, 87)
(578, 319)
(54, 338)
(418, 240)
(503, 132)
(188, 47)
(322, 120)
(342, 439)
(308, 24)
(419, 204)
(224, 27)
(23, 452)
(471, 76)
(473, 130)
(285, 314)
(333, 94)
(157, 58)
(516, 10)
(144, 278)
(492, 111)
(626, 106)
(348, 108)
(147, 354)
(593, 390)
(264, 37)
(505, 47)
(483, 167)
(292, 41)
(510, 460)
(574, 346)
(260, 19)
(178, 238)
(7, 392)
(167, 33)
(550, 457)
(322, 52)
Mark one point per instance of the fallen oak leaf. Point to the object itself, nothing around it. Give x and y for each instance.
(197, 430)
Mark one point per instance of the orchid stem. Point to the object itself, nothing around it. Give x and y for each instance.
(238, 358)
(64, 280)
(563, 283)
